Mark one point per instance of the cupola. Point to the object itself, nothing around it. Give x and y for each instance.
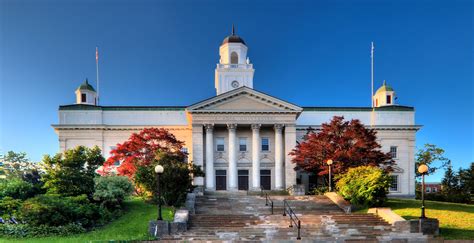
(86, 94)
(384, 96)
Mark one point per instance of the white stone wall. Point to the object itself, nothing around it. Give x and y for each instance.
(384, 118)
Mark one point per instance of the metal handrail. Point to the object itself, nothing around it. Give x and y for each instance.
(267, 198)
(287, 210)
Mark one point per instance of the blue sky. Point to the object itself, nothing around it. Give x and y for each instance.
(312, 53)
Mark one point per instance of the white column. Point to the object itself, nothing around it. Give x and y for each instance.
(290, 144)
(232, 157)
(210, 177)
(198, 151)
(278, 157)
(255, 157)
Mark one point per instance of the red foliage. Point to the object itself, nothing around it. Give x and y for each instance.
(140, 149)
(347, 143)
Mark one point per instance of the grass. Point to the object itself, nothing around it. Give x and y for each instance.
(133, 225)
(456, 220)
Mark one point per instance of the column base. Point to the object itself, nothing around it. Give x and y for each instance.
(232, 189)
(255, 189)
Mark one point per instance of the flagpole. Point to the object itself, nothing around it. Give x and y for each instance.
(97, 71)
(372, 74)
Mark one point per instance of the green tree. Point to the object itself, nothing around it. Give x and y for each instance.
(466, 179)
(364, 185)
(176, 179)
(450, 182)
(432, 156)
(72, 173)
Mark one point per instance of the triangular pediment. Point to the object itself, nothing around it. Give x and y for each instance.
(244, 99)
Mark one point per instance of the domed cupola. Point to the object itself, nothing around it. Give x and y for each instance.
(86, 94)
(384, 96)
(233, 38)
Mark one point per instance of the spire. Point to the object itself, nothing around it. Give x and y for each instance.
(233, 29)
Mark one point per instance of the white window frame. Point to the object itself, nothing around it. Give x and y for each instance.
(217, 144)
(261, 144)
(396, 152)
(244, 139)
(397, 182)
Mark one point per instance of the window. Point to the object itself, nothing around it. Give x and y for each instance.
(234, 58)
(117, 162)
(394, 183)
(435, 189)
(265, 144)
(185, 151)
(393, 152)
(428, 189)
(220, 144)
(242, 144)
(389, 99)
(83, 98)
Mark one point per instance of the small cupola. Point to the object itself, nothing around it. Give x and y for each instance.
(384, 96)
(86, 94)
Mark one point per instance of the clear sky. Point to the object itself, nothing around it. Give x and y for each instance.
(312, 53)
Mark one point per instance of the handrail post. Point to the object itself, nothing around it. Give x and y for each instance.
(272, 207)
(284, 207)
(291, 220)
(266, 199)
(299, 228)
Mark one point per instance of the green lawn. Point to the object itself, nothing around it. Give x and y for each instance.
(456, 220)
(133, 225)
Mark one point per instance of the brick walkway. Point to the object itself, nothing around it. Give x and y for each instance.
(238, 217)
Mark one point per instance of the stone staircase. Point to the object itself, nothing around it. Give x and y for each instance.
(239, 217)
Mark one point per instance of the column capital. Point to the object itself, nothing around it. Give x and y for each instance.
(255, 126)
(232, 127)
(278, 127)
(209, 127)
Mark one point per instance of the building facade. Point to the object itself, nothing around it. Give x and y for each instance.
(241, 137)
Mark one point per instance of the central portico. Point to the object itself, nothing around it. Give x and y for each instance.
(242, 139)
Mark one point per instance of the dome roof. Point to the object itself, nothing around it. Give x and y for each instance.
(384, 87)
(233, 38)
(86, 86)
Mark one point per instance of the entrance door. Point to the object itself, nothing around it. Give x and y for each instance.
(243, 179)
(221, 180)
(266, 179)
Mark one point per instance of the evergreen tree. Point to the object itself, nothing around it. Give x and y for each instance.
(450, 182)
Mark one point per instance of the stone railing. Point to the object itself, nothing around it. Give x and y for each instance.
(427, 226)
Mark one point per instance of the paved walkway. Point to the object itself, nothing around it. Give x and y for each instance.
(238, 217)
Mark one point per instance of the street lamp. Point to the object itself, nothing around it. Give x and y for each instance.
(329, 162)
(423, 169)
(159, 171)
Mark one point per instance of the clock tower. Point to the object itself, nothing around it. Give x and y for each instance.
(234, 69)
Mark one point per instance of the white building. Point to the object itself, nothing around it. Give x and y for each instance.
(241, 137)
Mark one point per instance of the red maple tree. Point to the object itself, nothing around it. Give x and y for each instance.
(140, 149)
(348, 143)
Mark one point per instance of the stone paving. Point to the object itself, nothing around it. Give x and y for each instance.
(239, 217)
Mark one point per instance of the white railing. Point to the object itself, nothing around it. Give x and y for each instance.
(241, 66)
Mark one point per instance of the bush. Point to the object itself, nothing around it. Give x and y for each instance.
(319, 190)
(458, 197)
(9, 206)
(112, 190)
(364, 186)
(55, 210)
(17, 189)
(24, 230)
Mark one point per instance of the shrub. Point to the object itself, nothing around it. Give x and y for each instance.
(17, 189)
(9, 206)
(55, 210)
(319, 190)
(24, 230)
(112, 190)
(364, 185)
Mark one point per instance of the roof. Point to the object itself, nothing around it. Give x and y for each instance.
(121, 108)
(382, 108)
(233, 38)
(384, 87)
(86, 86)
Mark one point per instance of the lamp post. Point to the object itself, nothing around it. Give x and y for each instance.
(329, 162)
(423, 169)
(159, 171)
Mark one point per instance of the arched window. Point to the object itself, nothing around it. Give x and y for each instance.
(234, 58)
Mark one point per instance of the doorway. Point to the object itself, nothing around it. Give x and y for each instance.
(266, 179)
(243, 180)
(221, 180)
